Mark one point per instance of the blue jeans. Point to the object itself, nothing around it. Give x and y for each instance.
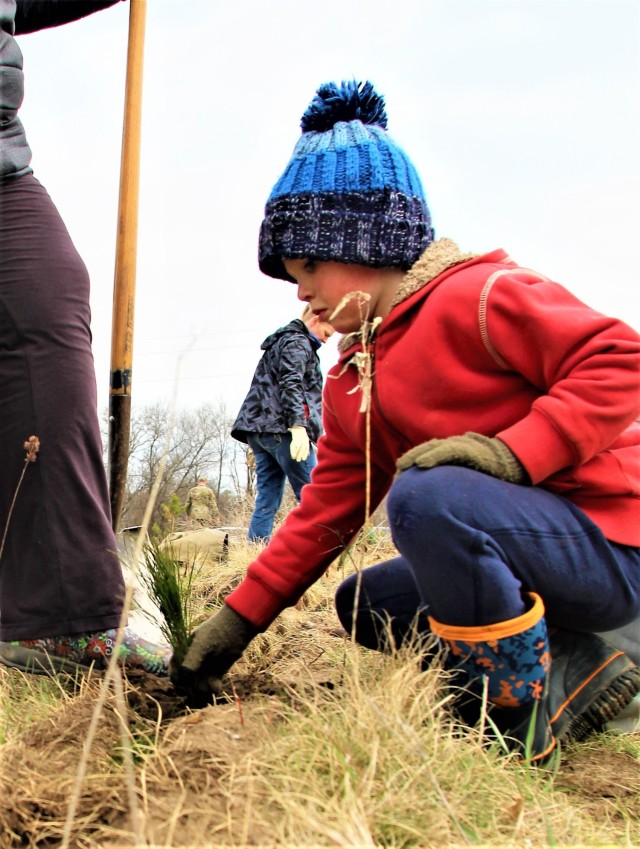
(274, 466)
(470, 546)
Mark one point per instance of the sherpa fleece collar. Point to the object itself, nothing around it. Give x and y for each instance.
(438, 257)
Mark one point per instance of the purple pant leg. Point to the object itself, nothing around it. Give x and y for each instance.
(59, 573)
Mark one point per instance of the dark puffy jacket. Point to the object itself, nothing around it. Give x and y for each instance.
(16, 18)
(286, 389)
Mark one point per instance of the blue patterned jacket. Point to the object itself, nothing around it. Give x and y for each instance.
(286, 389)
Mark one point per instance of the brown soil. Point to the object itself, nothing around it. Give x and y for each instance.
(605, 782)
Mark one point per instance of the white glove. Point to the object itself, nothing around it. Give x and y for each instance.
(300, 446)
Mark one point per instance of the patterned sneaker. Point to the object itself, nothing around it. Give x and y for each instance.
(50, 655)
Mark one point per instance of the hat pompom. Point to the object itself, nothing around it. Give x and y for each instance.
(350, 101)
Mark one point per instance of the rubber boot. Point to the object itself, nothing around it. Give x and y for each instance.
(514, 658)
(591, 682)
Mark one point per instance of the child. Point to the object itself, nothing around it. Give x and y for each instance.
(280, 418)
(498, 413)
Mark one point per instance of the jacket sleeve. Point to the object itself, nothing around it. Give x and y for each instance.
(585, 365)
(294, 354)
(314, 534)
(34, 15)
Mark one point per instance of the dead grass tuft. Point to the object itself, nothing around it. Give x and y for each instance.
(38, 770)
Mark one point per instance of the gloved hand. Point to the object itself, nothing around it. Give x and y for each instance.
(300, 445)
(483, 453)
(215, 646)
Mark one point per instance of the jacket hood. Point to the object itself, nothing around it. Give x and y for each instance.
(295, 326)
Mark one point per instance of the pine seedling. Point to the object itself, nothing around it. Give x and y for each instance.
(169, 583)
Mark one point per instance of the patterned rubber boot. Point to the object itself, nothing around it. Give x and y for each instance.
(514, 658)
(51, 655)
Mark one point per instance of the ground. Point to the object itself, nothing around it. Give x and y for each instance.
(185, 753)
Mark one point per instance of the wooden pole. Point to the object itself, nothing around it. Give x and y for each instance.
(124, 283)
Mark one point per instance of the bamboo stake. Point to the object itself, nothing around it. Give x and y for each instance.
(125, 266)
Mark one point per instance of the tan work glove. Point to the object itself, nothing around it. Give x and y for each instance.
(215, 646)
(300, 445)
(483, 453)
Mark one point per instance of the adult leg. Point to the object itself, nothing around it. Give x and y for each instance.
(59, 572)
(61, 583)
(270, 481)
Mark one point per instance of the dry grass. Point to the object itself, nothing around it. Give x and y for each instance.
(320, 743)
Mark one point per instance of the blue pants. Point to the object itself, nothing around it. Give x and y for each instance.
(470, 546)
(274, 466)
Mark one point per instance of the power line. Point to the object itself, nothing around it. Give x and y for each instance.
(194, 350)
(183, 378)
(197, 334)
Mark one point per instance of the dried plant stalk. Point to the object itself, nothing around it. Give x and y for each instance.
(363, 362)
(31, 446)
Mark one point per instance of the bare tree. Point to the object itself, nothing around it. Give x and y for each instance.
(199, 445)
(241, 465)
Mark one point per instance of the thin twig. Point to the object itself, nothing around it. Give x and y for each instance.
(362, 361)
(111, 668)
(31, 446)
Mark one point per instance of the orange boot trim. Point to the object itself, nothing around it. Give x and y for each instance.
(487, 633)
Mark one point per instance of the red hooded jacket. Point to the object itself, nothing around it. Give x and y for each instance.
(471, 344)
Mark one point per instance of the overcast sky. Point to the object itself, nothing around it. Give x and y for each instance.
(522, 117)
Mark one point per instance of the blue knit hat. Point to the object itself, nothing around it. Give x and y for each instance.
(349, 193)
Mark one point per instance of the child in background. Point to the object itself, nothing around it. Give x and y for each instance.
(280, 418)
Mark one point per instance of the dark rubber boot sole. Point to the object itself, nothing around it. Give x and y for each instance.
(591, 682)
(604, 708)
(38, 662)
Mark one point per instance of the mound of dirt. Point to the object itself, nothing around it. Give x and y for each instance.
(185, 795)
(38, 775)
